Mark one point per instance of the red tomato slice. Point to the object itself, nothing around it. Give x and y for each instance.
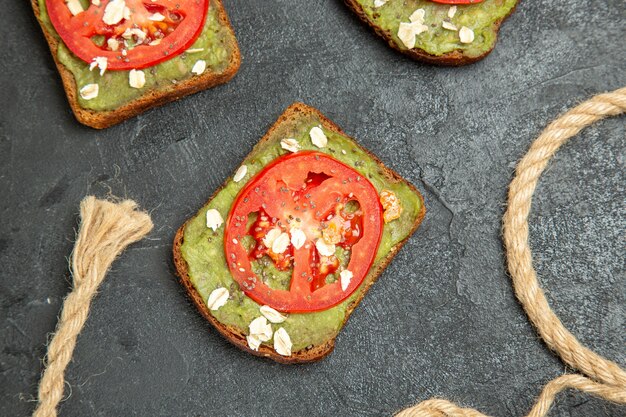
(308, 191)
(140, 33)
(458, 1)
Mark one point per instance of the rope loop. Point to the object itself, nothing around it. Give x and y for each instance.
(604, 378)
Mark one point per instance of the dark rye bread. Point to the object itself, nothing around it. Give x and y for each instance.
(153, 98)
(452, 59)
(235, 336)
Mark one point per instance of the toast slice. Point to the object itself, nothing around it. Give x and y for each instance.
(437, 44)
(162, 93)
(296, 120)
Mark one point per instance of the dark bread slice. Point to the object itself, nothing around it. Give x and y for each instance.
(453, 59)
(153, 98)
(237, 337)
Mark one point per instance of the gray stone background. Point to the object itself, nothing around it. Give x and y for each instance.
(442, 320)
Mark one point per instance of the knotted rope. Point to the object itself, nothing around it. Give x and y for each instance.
(605, 379)
(106, 229)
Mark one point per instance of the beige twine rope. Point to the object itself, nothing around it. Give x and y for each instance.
(605, 378)
(106, 229)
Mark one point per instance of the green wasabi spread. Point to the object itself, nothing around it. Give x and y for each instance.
(480, 17)
(114, 89)
(203, 249)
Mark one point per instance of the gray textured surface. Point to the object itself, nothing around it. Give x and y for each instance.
(441, 321)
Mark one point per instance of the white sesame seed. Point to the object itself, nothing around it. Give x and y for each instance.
(199, 67)
(241, 172)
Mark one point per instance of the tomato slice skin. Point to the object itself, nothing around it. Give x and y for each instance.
(457, 1)
(182, 24)
(281, 192)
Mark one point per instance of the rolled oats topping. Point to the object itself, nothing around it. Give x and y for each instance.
(282, 342)
(217, 298)
(213, 219)
(272, 315)
(290, 145)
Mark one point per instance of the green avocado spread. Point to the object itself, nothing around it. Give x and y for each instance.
(481, 18)
(114, 88)
(203, 249)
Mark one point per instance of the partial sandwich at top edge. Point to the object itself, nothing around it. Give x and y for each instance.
(440, 32)
(118, 58)
(284, 251)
